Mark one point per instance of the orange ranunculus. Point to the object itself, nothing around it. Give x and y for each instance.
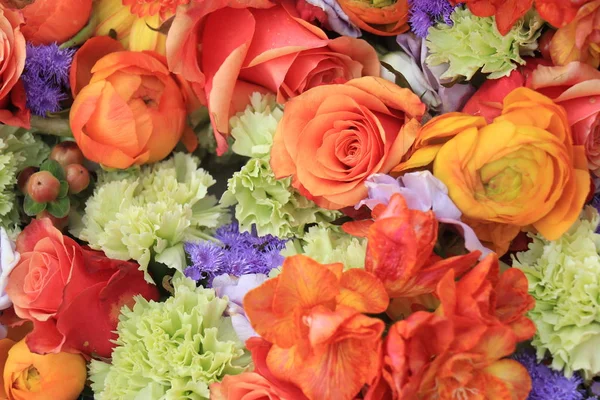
(246, 386)
(520, 170)
(332, 138)
(271, 50)
(384, 18)
(579, 40)
(576, 87)
(312, 315)
(128, 109)
(41, 377)
(460, 348)
(13, 110)
(48, 21)
(400, 251)
(507, 12)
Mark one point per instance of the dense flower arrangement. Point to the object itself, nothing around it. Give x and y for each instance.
(300, 199)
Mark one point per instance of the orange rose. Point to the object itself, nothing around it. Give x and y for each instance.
(40, 377)
(580, 39)
(246, 386)
(333, 137)
(383, 18)
(12, 93)
(271, 50)
(48, 21)
(128, 109)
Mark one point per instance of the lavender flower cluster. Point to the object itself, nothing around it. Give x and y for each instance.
(237, 254)
(426, 13)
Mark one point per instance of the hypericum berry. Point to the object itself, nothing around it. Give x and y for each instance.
(78, 178)
(24, 177)
(59, 223)
(66, 153)
(43, 187)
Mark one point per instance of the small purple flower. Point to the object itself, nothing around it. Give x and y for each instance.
(207, 260)
(46, 77)
(426, 13)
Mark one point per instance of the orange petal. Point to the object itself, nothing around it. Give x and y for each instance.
(363, 292)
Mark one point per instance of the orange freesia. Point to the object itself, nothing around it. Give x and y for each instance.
(333, 137)
(48, 21)
(400, 251)
(521, 170)
(312, 316)
(458, 352)
(128, 109)
(41, 377)
(271, 50)
(383, 18)
(580, 39)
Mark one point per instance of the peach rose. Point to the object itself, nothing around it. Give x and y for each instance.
(48, 21)
(576, 87)
(332, 138)
(579, 40)
(128, 109)
(246, 386)
(271, 49)
(29, 376)
(12, 93)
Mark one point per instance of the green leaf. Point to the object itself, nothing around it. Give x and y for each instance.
(31, 207)
(64, 189)
(60, 208)
(54, 168)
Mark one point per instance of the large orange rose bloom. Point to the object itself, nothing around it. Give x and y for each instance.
(29, 376)
(132, 110)
(333, 137)
(12, 92)
(48, 21)
(520, 170)
(391, 19)
(271, 49)
(580, 39)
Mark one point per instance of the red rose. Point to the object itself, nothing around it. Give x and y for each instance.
(72, 295)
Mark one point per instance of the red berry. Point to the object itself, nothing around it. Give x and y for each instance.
(66, 153)
(544, 44)
(78, 178)
(43, 187)
(24, 177)
(59, 223)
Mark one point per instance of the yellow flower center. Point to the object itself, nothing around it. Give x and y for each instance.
(28, 380)
(143, 8)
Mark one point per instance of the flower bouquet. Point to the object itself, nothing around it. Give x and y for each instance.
(299, 199)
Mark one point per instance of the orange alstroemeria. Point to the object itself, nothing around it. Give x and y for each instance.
(400, 251)
(580, 39)
(383, 18)
(312, 316)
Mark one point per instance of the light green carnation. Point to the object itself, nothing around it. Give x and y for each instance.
(329, 245)
(172, 350)
(270, 204)
(149, 214)
(253, 129)
(564, 279)
(471, 43)
(19, 149)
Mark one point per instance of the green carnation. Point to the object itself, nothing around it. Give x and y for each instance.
(329, 245)
(564, 279)
(171, 350)
(19, 149)
(270, 204)
(472, 43)
(253, 129)
(148, 214)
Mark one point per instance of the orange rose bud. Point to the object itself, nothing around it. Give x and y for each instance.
(48, 21)
(383, 18)
(41, 377)
(131, 111)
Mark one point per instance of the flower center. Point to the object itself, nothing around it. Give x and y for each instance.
(143, 8)
(28, 380)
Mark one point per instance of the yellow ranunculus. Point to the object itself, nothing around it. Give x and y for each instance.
(522, 170)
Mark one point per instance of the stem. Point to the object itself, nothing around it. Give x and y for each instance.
(84, 34)
(51, 126)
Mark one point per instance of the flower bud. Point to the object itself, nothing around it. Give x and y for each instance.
(67, 153)
(78, 178)
(43, 187)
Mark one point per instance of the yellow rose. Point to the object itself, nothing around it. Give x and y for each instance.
(522, 170)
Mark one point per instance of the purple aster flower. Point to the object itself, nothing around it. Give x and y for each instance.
(548, 384)
(207, 260)
(426, 13)
(46, 77)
